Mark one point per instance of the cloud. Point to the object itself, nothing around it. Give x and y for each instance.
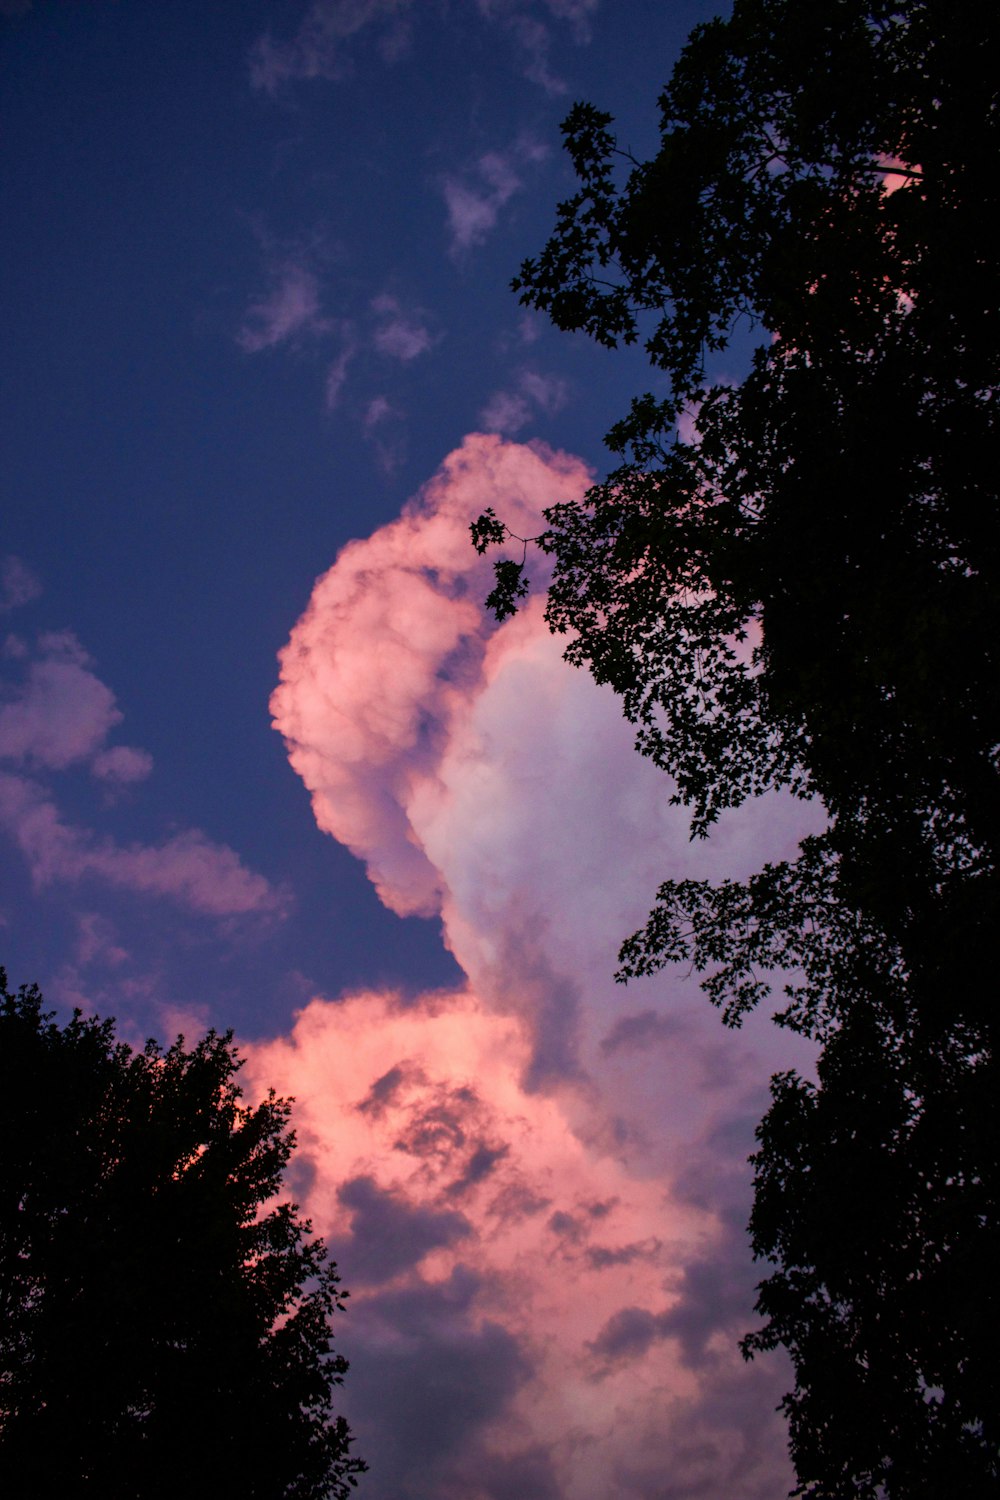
(290, 312)
(399, 335)
(358, 750)
(390, 1234)
(122, 765)
(577, 12)
(536, 1185)
(323, 44)
(59, 715)
(318, 48)
(97, 941)
(475, 200)
(336, 375)
(204, 876)
(378, 411)
(508, 411)
(18, 584)
(533, 37)
(384, 426)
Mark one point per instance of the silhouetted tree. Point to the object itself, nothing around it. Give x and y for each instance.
(164, 1324)
(801, 589)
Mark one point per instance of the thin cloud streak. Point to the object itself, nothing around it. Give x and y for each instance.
(190, 868)
(318, 48)
(322, 46)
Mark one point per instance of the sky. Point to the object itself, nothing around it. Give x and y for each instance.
(265, 763)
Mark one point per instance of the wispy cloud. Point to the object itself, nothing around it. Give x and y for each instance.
(337, 372)
(533, 36)
(204, 876)
(476, 198)
(290, 311)
(292, 314)
(18, 584)
(58, 714)
(399, 334)
(318, 48)
(509, 411)
(385, 428)
(323, 45)
(122, 765)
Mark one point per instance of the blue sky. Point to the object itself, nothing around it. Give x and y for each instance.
(173, 473)
(255, 269)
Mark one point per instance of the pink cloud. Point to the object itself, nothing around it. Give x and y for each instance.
(400, 335)
(494, 1257)
(317, 49)
(189, 868)
(336, 375)
(536, 1184)
(475, 200)
(533, 37)
(122, 765)
(18, 584)
(61, 713)
(291, 310)
(378, 411)
(323, 44)
(97, 941)
(508, 411)
(423, 634)
(385, 428)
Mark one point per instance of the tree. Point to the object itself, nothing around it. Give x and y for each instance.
(798, 588)
(165, 1324)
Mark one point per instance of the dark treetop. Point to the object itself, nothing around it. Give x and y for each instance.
(798, 588)
(164, 1324)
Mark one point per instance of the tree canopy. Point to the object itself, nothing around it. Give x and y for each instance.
(165, 1326)
(793, 581)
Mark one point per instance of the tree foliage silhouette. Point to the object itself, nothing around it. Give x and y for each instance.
(799, 588)
(165, 1325)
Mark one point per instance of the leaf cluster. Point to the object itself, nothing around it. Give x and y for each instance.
(164, 1322)
(792, 580)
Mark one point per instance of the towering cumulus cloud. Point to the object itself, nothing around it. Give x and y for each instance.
(536, 1185)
